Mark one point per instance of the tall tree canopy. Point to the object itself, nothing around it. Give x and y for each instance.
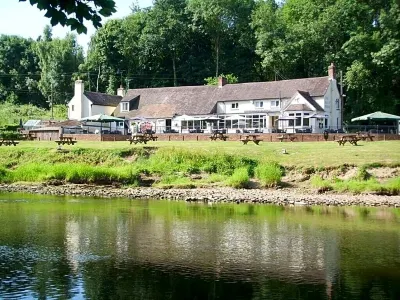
(73, 12)
(182, 42)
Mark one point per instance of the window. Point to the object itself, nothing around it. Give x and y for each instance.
(291, 122)
(326, 123)
(298, 119)
(275, 103)
(337, 104)
(125, 106)
(306, 120)
(72, 108)
(259, 104)
(235, 105)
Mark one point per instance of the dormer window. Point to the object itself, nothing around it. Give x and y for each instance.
(235, 105)
(259, 104)
(125, 106)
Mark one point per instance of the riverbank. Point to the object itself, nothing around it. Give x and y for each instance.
(284, 196)
(243, 174)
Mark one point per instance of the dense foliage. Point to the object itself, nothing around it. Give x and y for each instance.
(182, 42)
(73, 12)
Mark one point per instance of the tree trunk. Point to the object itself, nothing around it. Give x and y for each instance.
(217, 56)
(174, 67)
(98, 78)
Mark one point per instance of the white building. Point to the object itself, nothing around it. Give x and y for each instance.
(297, 105)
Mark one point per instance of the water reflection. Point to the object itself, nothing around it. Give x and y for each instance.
(99, 249)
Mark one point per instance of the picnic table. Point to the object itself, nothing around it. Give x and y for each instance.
(29, 136)
(218, 134)
(351, 138)
(365, 137)
(6, 142)
(287, 136)
(142, 138)
(65, 140)
(250, 138)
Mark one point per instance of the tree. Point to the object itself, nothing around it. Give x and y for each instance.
(19, 71)
(59, 60)
(219, 19)
(230, 78)
(60, 11)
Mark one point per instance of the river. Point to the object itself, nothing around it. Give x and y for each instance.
(85, 248)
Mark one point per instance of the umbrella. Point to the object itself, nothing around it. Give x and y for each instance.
(286, 118)
(319, 116)
(212, 118)
(237, 117)
(378, 115)
(102, 119)
(139, 118)
(184, 118)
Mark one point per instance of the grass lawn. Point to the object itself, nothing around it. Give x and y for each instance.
(316, 154)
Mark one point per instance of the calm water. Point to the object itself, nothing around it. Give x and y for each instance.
(70, 248)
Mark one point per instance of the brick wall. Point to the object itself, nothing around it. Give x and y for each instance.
(266, 137)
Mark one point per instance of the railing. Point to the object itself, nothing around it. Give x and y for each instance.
(375, 129)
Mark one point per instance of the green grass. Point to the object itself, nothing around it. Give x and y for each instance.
(300, 154)
(217, 163)
(239, 179)
(269, 174)
(357, 186)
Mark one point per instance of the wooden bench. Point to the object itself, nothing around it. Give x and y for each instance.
(138, 139)
(8, 142)
(286, 137)
(64, 142)
(250, 138)
(256, 141)
(351, 139)
(221, 137)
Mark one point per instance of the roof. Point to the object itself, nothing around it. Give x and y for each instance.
(298, 107)
(103, 99)
(201, 100)
(378, 115)
(32, 123)
(307, 96)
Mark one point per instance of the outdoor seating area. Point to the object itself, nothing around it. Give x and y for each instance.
(29, 136)
(6, 142)
(251, 138)
(218, 135)
(142, 137)
(287, 136)
(351, 139)
(65, 140)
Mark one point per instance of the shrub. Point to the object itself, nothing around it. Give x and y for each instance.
(239, 178)
(269, 174)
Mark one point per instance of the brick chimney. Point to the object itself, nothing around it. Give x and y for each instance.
(121, 91)
(332, 71)
(222, 81)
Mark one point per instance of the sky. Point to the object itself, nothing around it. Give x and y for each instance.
(20, 18)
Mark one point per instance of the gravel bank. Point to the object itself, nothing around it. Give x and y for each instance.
(215, 195)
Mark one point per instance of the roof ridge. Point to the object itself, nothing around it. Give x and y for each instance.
(101, 93)
(229, 84)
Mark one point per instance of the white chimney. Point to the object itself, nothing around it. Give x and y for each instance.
(78, 110)
(121, 91)
(79, 87)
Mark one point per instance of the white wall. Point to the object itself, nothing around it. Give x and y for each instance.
(99, 109)
(245, 107)
(331, 107)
